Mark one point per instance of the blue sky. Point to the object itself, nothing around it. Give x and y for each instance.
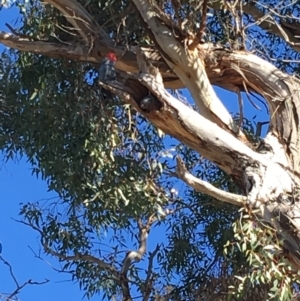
(17, 186)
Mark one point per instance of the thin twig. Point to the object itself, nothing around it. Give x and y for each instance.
(18, 286)
(77, 257)
(48, 263)
(250, 100)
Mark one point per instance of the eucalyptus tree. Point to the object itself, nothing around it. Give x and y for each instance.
(115, 158)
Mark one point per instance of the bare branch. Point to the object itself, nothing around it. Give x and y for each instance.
(10, 270)
(218, 62)
(48, 263)
(215, 144)
(138, 254)
(259, 128)
(207, 188)
(19, 287)
(146, 67)
(187, 64)
(148, 284)
(55, 50)
(15, 32)
(165, 18)
(134, 256)
(176, 5)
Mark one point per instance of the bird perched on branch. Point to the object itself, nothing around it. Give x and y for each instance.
(107, 71)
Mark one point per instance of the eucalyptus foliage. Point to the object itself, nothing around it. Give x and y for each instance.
(109, 166)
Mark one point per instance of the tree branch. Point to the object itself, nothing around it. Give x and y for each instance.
(148, 282)
(126, 62)
(187, 64)
(205, 187)
(218, 62)
(245, 165)
(51, 49)
(134, 256)
(201, 30)
(266, 22)
(19, 287)
(175, 118)
(80, 19)
(77, 257)
(185, 124)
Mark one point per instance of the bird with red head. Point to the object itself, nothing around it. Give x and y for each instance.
(107, 70)
(111, 56)
(106, 73)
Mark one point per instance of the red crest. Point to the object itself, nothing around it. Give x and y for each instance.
(111, 56)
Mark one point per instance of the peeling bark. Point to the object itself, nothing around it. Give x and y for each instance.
(188, 65)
